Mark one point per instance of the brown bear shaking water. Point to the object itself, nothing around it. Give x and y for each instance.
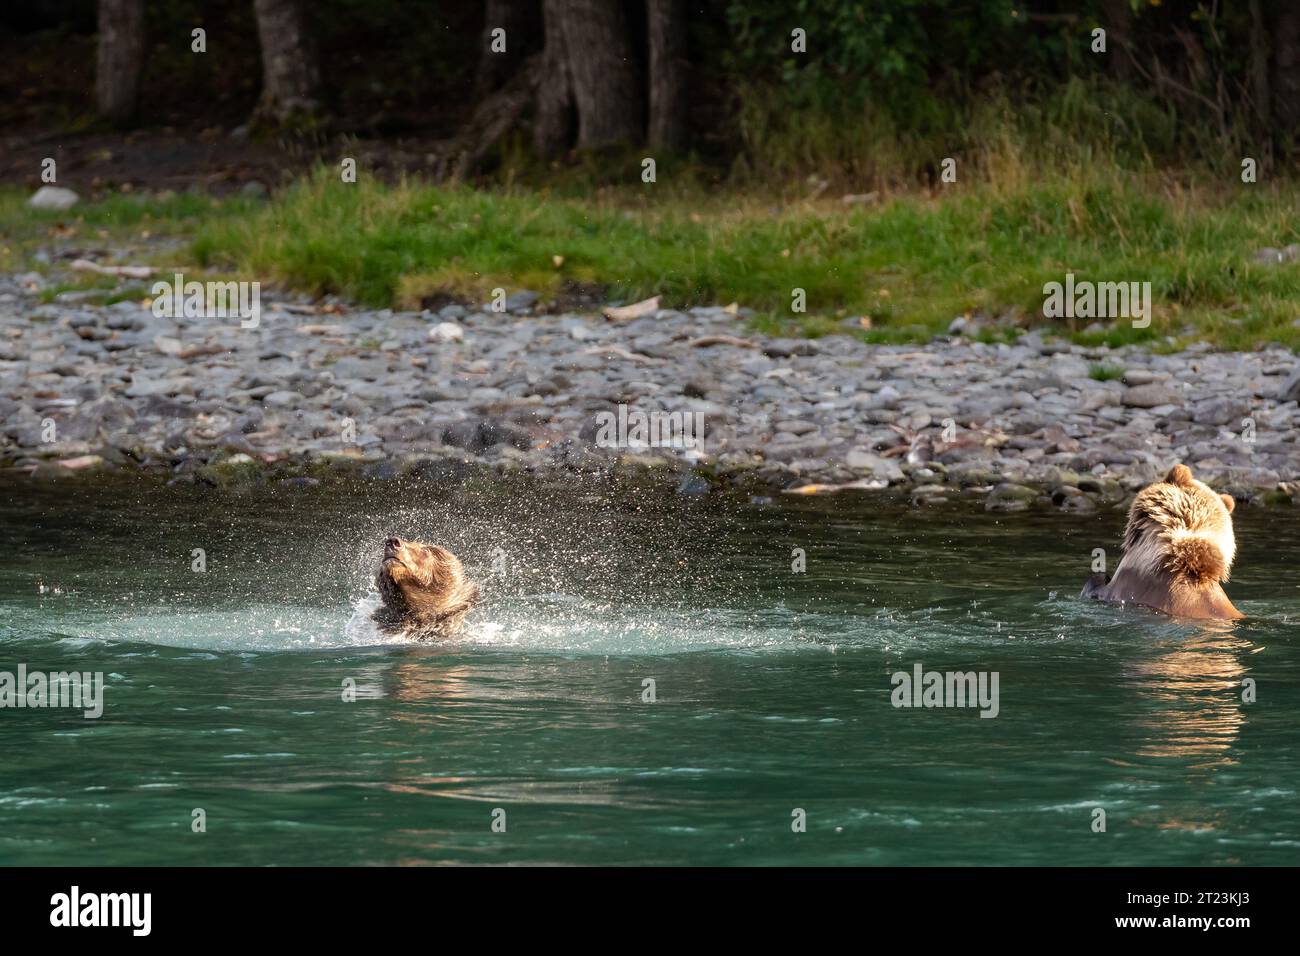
(1178, 549)
(425, 594)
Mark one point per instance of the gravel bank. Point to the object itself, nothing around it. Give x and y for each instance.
(321, 387)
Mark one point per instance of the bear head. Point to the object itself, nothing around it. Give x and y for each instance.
(423, 589)
(1184, 526)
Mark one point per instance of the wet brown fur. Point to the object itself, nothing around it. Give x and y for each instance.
(1178, 550)
(424, 591)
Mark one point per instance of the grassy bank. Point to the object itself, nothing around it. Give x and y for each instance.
(139, 227)
(909, 262)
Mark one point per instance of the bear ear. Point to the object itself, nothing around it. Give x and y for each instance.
(1179, 475)
(1229, 502)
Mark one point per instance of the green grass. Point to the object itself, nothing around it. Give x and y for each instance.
(911, 263)
(121, 220)
(1105, 372)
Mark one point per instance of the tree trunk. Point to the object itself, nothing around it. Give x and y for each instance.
(1117, 18)
(518, 18)
(603, 74)
(290, 75)
(120, 58)
(1286, 71)
(553, 129)
(1259, 52)
(666, 41)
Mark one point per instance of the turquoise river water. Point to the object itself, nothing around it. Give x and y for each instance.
(532, 738)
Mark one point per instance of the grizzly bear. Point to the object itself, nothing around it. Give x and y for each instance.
(423, 591)
(1178, 549)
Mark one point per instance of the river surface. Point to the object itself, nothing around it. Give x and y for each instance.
(652, 680)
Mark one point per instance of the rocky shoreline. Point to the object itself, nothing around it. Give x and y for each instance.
(320, 388)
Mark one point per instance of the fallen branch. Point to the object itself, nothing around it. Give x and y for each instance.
(622, 353)
(121, 272)
(492, 119)
(625, 313)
